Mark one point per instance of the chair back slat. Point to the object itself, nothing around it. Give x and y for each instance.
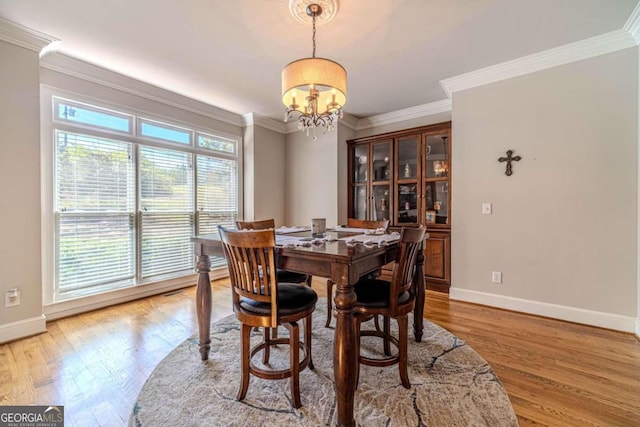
(403, 279)
(256, 225)
(362, 223)
(251, 260)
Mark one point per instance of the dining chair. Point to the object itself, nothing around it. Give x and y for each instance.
(352, 223)
(283, 275)
(391, 300)
(259, 300)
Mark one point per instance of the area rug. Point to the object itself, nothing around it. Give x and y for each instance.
(451, 385)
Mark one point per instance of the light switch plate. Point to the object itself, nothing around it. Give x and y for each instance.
(486, 209)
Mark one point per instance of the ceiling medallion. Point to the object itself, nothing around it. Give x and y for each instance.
(298, 9)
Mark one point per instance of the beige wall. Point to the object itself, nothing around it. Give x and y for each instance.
(267, 159)
(564, 227)
(312, 178)
(19, 184)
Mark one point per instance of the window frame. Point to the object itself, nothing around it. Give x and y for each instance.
(50, 98)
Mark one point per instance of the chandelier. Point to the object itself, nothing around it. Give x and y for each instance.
(314, 90)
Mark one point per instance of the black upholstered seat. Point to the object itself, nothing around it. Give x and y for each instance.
(292, 298)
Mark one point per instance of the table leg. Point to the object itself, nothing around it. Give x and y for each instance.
(418, 322)
(345, 361)
(203, 304)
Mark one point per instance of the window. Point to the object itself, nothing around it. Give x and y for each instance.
(164, 132)
(82, 114)
(166, 214)
(128, 194)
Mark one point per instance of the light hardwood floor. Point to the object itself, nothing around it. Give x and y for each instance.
(556, 373)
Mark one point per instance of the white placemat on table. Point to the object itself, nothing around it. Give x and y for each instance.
(282, 240)
(291, 229)
(373, 238)
(348, 229)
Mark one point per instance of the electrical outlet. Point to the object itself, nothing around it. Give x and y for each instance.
(486, 209)
(12, 298)
(496, 277)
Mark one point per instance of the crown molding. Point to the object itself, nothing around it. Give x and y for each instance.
(632, 26)
(349, 121)
(83, 70)
(265, 122)
(437, 107)
(584, 49)
(22, 36)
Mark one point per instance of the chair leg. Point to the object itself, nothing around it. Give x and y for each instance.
(245, 356)
(403, 333)
(274, 333)
(329, 303)
(294, 361)
(387, 332)
(307, 322)
(267, 349)
(357, 325)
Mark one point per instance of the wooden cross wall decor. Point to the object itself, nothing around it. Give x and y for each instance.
(509, 159)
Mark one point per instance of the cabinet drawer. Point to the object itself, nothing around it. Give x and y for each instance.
(436, 256)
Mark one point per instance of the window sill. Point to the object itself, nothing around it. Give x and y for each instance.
(58, 310)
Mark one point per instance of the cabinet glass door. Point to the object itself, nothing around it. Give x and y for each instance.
(436, 203)
(407, 173)
(407, 164)
(381, 202)
(407, 204)
(360, 164)
(381, 161)
(436, 185)
(359, 198)
(437, 155)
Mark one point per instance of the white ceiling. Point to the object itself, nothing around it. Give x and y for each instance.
(229, 53)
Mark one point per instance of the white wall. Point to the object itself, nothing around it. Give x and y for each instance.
(312, 178)
(564, 227)
(638, 219)
(20, 191)
(265, 161)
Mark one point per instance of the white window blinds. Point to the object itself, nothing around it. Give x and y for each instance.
(217, 197)
(94, 199)
(166, 217)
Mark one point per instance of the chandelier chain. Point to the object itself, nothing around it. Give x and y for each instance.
(314, 36)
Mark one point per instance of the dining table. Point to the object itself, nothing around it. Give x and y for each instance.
(342, 255)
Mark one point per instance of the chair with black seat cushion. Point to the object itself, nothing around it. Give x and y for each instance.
(283, 275)
(260, 301)
(352, 223)
(391, 300)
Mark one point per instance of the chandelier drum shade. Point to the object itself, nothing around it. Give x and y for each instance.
(314, 90)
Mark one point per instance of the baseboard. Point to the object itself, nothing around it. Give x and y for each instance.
(571, 314)
(75, 306)
(23, 328)
(638, 328)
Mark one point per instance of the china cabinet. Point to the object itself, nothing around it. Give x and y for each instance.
(405, 177)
